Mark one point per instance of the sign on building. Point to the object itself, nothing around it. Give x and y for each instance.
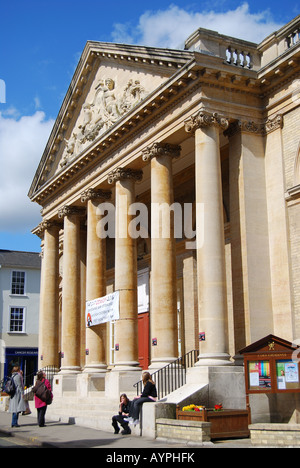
(102, 310)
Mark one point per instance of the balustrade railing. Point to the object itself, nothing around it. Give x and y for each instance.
(172, 376)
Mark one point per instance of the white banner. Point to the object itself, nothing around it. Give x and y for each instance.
(102, 310)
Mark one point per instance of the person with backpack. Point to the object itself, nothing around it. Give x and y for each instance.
(42, 396)
(17, 403)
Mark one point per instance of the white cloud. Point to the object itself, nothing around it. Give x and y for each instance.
(171, 27)
(22, 143)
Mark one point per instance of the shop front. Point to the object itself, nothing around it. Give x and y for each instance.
(26, 358)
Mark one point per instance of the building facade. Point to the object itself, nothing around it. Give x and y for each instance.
(19, 312)
(173, 177)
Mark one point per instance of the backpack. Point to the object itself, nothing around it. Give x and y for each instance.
(10, 387)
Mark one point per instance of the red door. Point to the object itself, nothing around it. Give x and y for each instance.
(143, 334)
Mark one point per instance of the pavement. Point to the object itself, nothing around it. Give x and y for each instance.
(57, 434)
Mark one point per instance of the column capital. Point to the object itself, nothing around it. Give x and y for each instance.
(244, 126)
(121, 173)
(94, 194)
(44, 225)
(273, 124)
(68, 210)
(161, 149)
(205, 119)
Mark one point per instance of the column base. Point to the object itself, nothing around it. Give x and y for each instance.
(88, 382)
(211, 359)
(159, 363)
(70, 370)
(219, 384)
(124, 366)
(95, 369)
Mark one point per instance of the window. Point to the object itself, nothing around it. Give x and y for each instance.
(17, 319)
(18, 282)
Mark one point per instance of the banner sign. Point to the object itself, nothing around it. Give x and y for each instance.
(102, 310)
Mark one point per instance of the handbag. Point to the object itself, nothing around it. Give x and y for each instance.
(42, 392)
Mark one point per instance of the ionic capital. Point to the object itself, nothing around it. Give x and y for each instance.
(93, 194)
(45, 225)
(244, 126)
(161, 149)
(274, 124)
(122, 174)
(205, 119)
(70, 210)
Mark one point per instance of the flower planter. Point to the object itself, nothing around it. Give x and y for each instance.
(225, 424)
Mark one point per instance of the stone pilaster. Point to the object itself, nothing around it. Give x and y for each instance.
(211, 272)
(163, 257)
(250, 259)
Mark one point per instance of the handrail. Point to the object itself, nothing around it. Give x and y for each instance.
(172, 376)
(50, 371)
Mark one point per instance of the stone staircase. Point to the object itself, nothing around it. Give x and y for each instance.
(94, 411)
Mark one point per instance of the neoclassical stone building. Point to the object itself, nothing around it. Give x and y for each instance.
(211, 130)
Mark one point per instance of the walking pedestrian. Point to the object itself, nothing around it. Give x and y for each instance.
(40, 404)
(17, 404)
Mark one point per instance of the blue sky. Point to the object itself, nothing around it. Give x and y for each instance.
(40, 45)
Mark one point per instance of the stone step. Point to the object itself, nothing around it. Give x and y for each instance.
(87, 417)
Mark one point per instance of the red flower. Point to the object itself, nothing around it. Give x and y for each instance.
(218, 407)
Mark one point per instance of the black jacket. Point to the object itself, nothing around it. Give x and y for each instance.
(149, 390)
(125, 408)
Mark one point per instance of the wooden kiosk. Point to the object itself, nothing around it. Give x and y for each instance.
(272, 369)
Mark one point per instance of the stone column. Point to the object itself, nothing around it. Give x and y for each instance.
(70, 362)
(95, 280)
(49, 296)
(163, 258)
(210, 239)
(126, 328)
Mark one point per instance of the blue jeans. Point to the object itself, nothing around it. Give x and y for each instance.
(136, 406)
(15, 417)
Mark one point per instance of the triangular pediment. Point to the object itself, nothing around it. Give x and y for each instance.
(269, 343)
(109, 82)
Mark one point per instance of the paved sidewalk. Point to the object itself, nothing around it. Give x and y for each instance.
(57, 434)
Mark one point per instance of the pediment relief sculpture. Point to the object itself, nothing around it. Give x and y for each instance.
(106, 108)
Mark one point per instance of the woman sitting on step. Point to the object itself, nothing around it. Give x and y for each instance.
(149, 395)
(123, 413)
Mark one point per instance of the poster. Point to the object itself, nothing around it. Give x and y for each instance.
(102, 310)
(291, 372)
